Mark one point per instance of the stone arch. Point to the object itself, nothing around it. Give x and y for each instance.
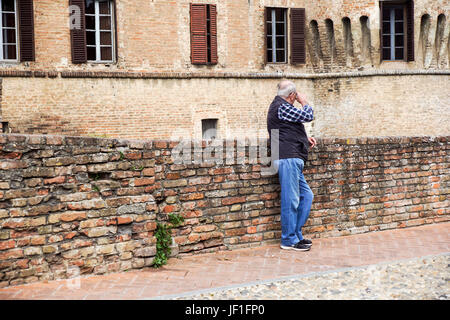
(316, 47)
(332, 51)
(366, 41)
(439, 40)
(424, 42)
(348, 40)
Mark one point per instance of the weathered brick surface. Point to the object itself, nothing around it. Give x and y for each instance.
(144, 42)
(154, 92)
(101, 217)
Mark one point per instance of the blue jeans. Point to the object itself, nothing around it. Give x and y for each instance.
(296, 199)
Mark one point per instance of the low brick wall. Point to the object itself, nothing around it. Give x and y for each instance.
(79, 205)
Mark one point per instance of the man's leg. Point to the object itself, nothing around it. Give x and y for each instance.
(288, 173)
(306, 199)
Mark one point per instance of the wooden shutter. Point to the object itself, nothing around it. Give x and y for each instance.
(26, 30)
(78, 36)
(213, 32)
(116, 40)
(298, 52)
(381, 31)
(410, 30)
(199, 52)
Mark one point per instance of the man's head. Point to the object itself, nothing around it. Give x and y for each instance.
(287, 91)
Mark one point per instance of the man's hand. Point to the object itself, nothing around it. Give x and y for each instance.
(312, 142)
(301, 98)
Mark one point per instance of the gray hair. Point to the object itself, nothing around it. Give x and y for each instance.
(285, 88)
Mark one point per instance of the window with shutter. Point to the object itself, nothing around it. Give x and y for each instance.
(94, 40)
(78, 34)
(397, 30)
(203, 34)
(276, 38)
(8, 32)
(298, 53)
(26, 29)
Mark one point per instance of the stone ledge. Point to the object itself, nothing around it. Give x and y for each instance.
(213, 75)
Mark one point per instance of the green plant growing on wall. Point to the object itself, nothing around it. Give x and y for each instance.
(136, 168)
(164, 239)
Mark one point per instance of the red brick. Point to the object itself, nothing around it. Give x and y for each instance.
(143, 181)
(232, 200)
(70, 235)
(72, 216)
(13, 224)
(133, 155)
(124, 220)
(148, 172)
(251, 229)
(192, 196)
(11, 254)
(169, 209)
(60, 179)
(173, 175)
(271, 196)
(4, 245)
(225, 170)
(12, 164)
(160, 144)
(10, 155)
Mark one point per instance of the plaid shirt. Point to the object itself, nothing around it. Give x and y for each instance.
(288, 112)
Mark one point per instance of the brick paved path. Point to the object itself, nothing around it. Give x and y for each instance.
(206, 271)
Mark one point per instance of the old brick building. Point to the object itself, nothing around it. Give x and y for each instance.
(162, 69)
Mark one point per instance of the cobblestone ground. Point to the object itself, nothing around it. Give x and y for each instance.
(426, 278)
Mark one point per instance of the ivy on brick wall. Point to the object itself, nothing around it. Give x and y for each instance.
(164, 239)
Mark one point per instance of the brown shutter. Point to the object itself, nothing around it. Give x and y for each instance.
(199, 52)
(116, 40)
(26, 30)
(410, 30)
(213, 32)
(78, 36)
(298, 54)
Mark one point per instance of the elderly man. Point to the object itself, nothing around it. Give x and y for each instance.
(285, 126)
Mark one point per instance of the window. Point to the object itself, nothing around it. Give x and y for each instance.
(93, 38)
(397, 31)
(393, 32)
(8, 34)
(203, 34)
(276, 35)
(99, 30)
(5, 127)
(209, 129)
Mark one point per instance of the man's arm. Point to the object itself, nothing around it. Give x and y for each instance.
(290, 113)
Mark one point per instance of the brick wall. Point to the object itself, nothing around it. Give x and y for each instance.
(154, 89)
(154, 36)
(78, 205)
(383, 105)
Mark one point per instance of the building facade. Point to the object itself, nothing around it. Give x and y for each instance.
(167, 69)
